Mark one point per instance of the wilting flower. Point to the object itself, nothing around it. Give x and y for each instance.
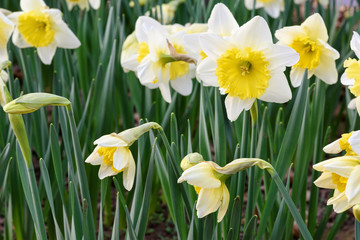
(349, 142)
(208, 179)
(113, 155)
(351, 76)
(343, 175)
(310, 41)
(246, 65)
(271, 7)
(83, 4)
(43, 28)
(161, 59)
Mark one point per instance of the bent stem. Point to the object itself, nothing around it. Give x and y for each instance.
(289, 202)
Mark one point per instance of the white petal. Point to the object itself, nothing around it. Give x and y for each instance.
(144, 25)
(145, 71)
(339, 201)
(357, 103)
(222, 21)
(286, 35)
(352, 104)
(47, 53)
(32, 5)
(129, 174)
(234, 106)
(111, 140)
(342, 168)
(209, 201)
(333, 147)
(213, 45)
(354, 141)
(18, 40)
(121, 158)
(326, 70)
(200, 175)
(206, 72)
(278, 91)
(255, 34)
(165, 91)
(325, 181)
(273, 9)
(65, 38)
(355, 43)
(346, 81)
(280, 56)
(94, 157)
(129, 62)
(352, 190)
(182, 85)
(296, 76)
(224, 203)
(95, 4)
(106, 171)
(315, 27)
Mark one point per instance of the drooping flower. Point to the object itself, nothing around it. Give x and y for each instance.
(245, 64)
(310, 41)
(83, 4)
(271, 7)
(161, 59)
(343, 175)
(208, 179)
(351, 76)
(113, 155)
(349, 142)
(43, 28)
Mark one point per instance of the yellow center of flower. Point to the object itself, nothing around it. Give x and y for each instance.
(339, 181)
(178, 68)
(345, 145)
(352, 71)
(35, 27)
(309, 52)
(266, 1)
(243, 73)
(142, 52)
(107, 154)
(203, 55)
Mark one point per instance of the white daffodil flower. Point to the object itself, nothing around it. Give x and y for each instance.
(351, 76)
(161, 60)
(343, 175)
(349, 142)
(310, 41)
(245, 64)
(271, 7)
(83, 4)
(6, 29)
(43, 28)
(208, 179)
(113, 155)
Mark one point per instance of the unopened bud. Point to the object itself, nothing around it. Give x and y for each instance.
(191, 160)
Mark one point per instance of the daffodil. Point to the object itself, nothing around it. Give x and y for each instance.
(161, 59)
(310, 41)
(271, 7)
(343, 175)
(208, 179)
(351, 76)
(6, 29)
(83, 4)
(245, 64)
(113, 155)
(349, 142)
(43, 28)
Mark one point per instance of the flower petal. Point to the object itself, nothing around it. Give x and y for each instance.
(296, 76)
(182, 85)
(106, 171)
(131, 135)
(209, 201)
(121, 158)
(213, 45)
(200, 175)
(286, 35)
(18, 39)
(346, 81)
(224, 203)
(333, 147)
(352, 190)
(234, 106)
(95, 4)
(47, 53)
(355, 43)
(94, 158)
(280, 56)
(315, 27)
(111, 140)
(129, 174)
(32, 5)
(339, 201)
(65, 38)
(222, 21)
(206, 72)
(325, 181)
(278, 91)
(354, 141)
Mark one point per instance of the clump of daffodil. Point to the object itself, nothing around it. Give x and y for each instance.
(83, 4)
(208, 179)
(271, 7)
(165, 12)
(310, 41)
(161, 60)
(343, 175)
(43, 28)
(349, 142)
(243, 62)
(113, 155)
(351, 76)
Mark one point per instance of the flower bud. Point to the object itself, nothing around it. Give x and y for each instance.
(191, 160)
(356, 212)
